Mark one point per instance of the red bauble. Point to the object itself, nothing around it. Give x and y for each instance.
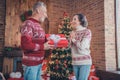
(65, 14)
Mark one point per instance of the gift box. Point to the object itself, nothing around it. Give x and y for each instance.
(45, 77)
(58, 40)
(92, 74)
(72, 78)
(92, 71)
(16, 79)
(44, 66)
(93, 78)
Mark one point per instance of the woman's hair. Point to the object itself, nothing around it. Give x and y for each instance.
(83, 20)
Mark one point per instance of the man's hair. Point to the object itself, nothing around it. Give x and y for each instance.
(38, 4)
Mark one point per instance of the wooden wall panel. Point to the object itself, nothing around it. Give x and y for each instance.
(14, 8)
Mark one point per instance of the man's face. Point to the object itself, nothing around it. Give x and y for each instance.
(43, 14)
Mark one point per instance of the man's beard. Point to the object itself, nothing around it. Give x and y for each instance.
(42, 19)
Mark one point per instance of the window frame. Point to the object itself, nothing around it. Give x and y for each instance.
(117, 19)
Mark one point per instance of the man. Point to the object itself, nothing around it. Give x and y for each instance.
(33, 42)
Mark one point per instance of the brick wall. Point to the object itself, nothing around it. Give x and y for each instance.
(2, 24)
(2, 28)
(55, 12)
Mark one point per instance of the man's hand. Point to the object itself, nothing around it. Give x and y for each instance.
(48, 46)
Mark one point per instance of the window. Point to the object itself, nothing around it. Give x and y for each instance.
(117, 11)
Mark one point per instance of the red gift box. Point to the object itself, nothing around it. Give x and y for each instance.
(16, 79)
(46, 77)
(92, 71)
(61, 43)
(44, 65)
(93, 78)
(72, 78)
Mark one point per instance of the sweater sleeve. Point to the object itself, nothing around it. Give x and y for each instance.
(26, 38)
(84, 43)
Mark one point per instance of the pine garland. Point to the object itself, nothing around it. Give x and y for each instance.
(25, 15)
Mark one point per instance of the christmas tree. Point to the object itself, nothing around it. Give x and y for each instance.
(60, 67)
(65, 27)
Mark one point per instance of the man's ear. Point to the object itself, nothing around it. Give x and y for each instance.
(38, 10)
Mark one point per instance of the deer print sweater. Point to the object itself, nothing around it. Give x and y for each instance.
(32, 40)
(80, 46)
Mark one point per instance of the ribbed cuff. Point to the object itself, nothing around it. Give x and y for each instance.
(73, 40)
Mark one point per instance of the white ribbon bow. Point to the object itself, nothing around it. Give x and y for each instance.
(55, 38)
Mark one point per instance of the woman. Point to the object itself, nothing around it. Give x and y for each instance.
(80, 39)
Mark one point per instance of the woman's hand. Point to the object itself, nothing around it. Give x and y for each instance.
(72, 35)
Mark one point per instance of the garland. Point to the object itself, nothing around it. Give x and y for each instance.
(25, 15)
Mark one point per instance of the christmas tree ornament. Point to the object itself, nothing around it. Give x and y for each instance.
(18, 75)
(12, 75)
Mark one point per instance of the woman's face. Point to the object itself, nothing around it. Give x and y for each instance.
(75, 22)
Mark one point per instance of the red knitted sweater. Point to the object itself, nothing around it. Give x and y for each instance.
(32, 40)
